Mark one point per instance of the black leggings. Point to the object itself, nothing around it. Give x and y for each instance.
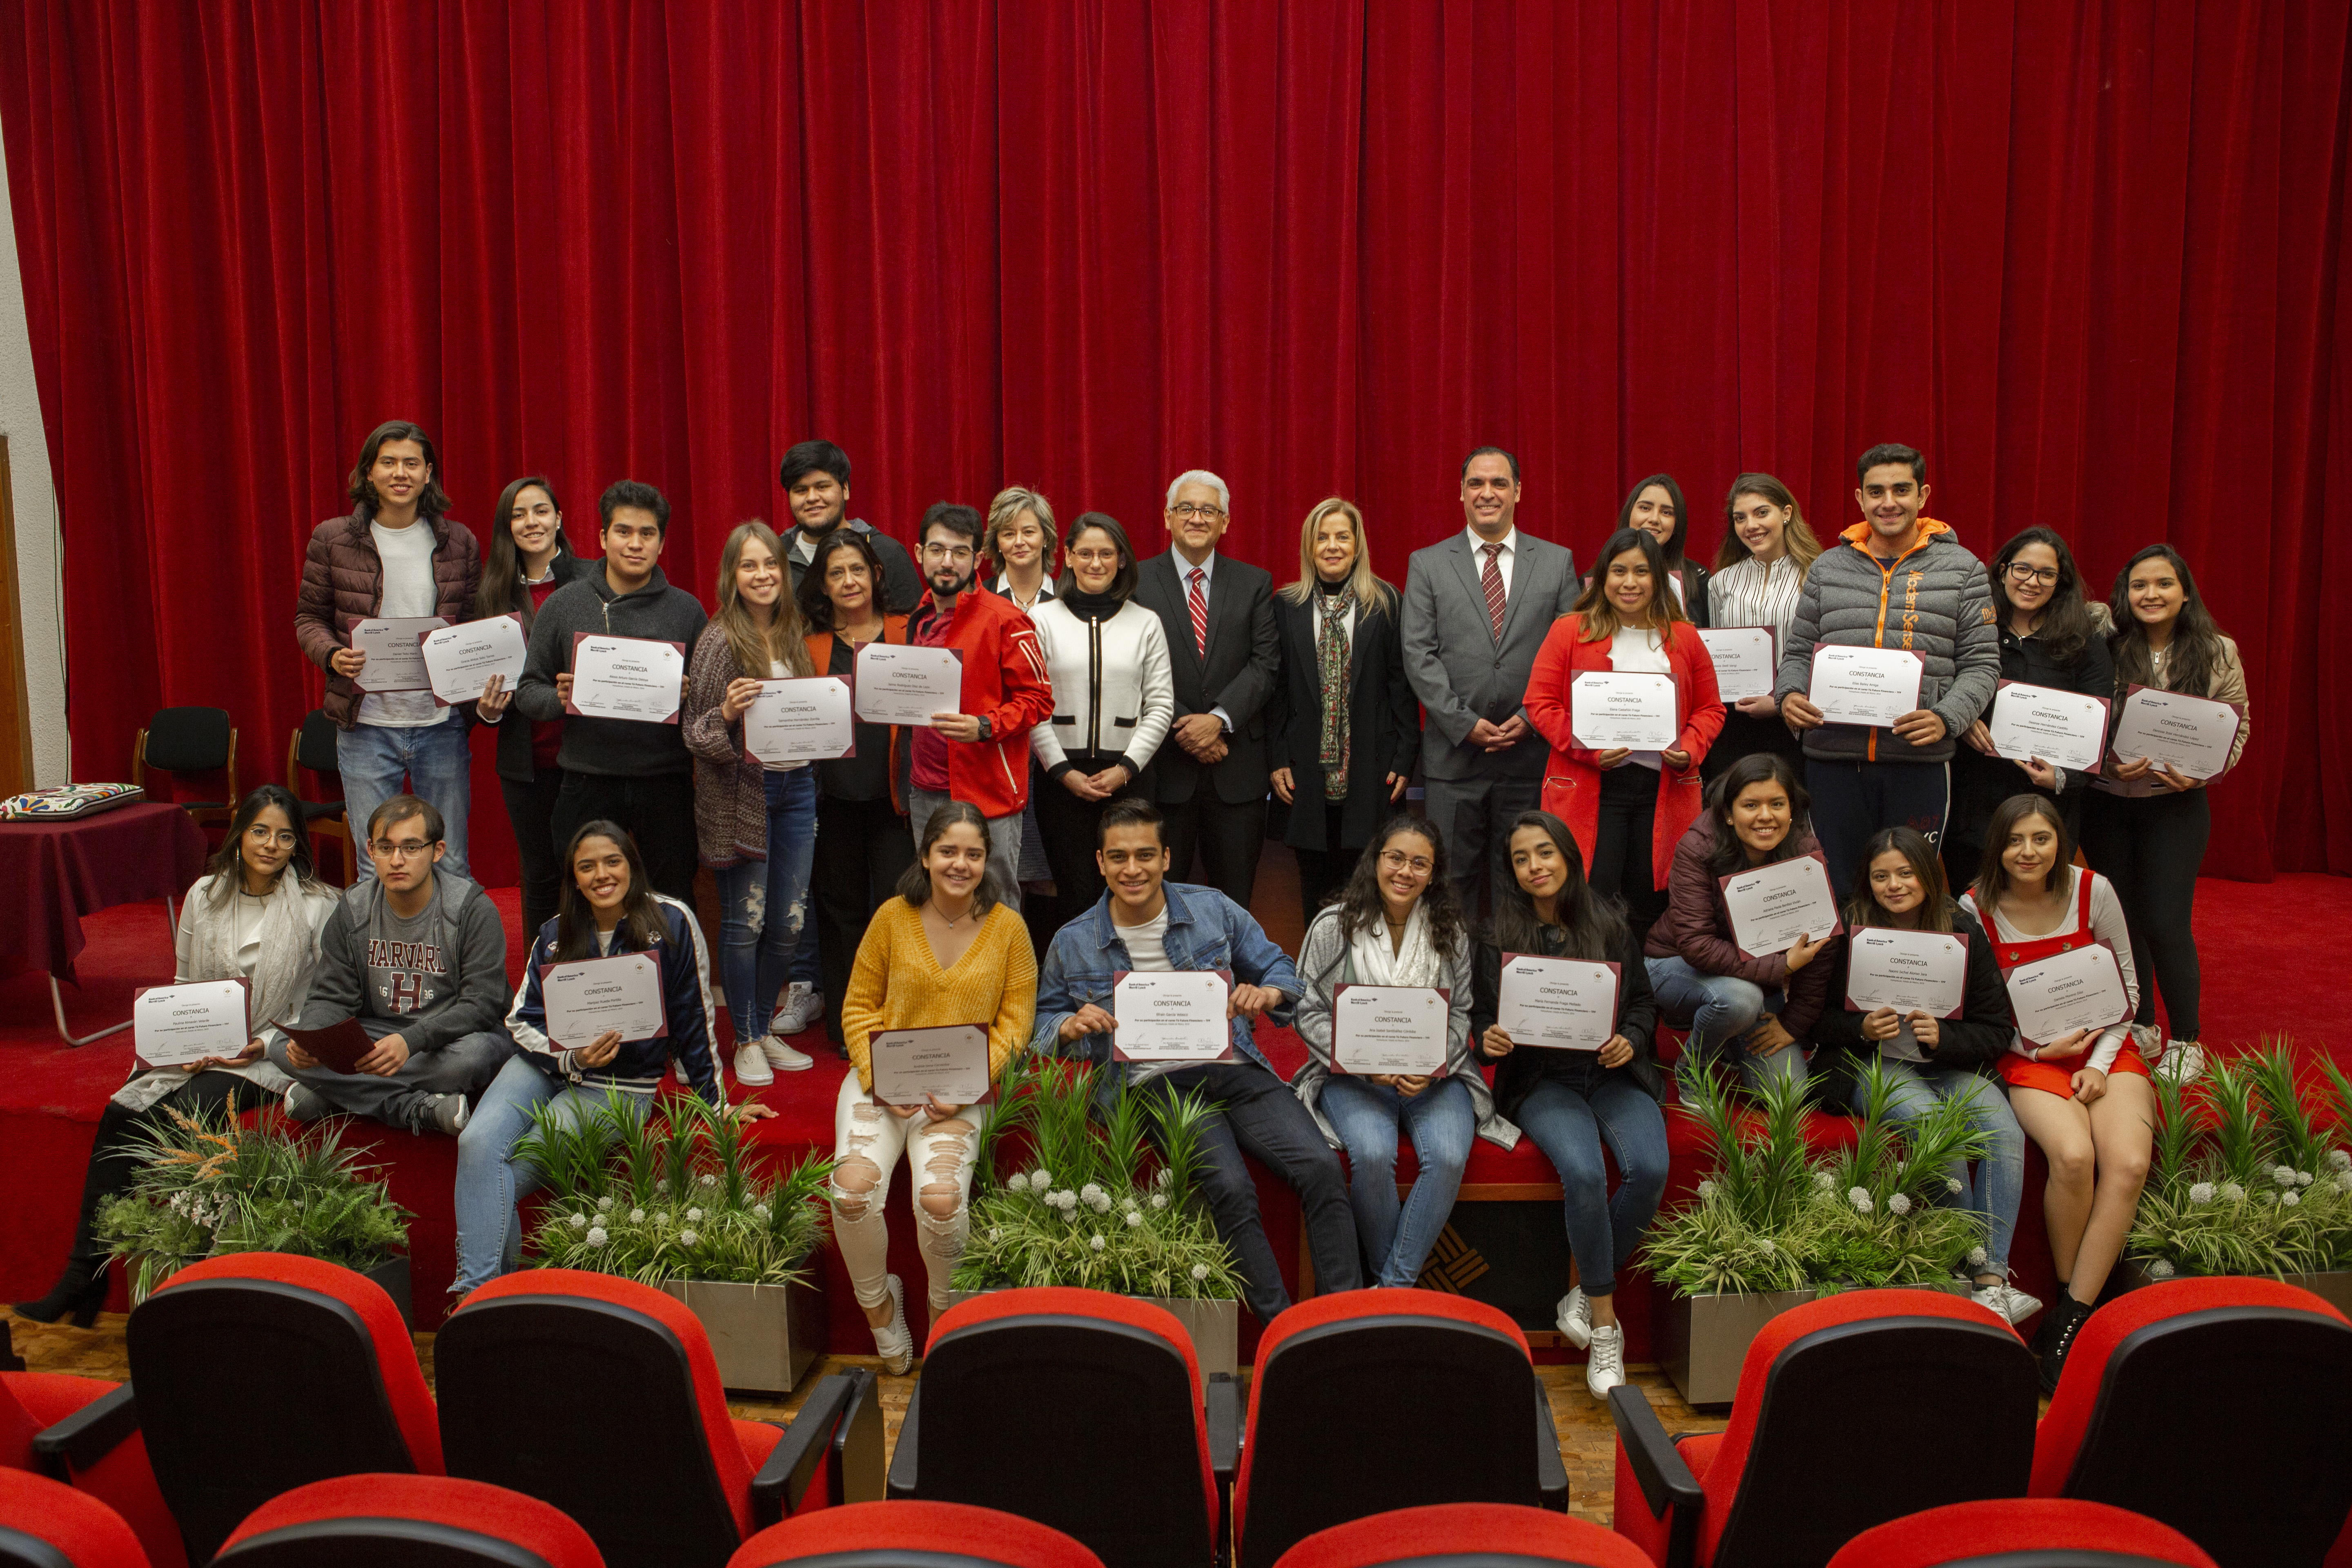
(2150, 846)
(1066, 823)
(120, 1132)
(1620, 850)
(530, 808)
(862, 848)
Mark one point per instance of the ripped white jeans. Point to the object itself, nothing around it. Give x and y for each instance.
(868, 1142)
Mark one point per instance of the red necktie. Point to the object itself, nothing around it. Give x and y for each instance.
(1200, 606)
(1491, 579)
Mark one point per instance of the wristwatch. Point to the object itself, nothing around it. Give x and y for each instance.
(986, 729)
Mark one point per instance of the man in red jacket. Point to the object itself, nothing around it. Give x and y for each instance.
(981, 753)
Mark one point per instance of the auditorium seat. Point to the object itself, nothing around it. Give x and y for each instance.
(83, 1431)
(1080, 1410)
(1373, 1400)
(1490, 1534)
(300, 1369)
(47, 1525)
(910, 1534)
(1850, 1411)
(2245, 1383)
(601, 1396)
(2020, 1532)
(407, 1521)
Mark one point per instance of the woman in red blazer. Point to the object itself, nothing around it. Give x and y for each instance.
(1627, 808)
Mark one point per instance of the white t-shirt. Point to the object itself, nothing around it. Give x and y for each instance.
(407, 555)
(1639, 650)
(1146, 950)
(776, 671)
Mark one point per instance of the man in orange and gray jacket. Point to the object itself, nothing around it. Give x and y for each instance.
(1897, 580)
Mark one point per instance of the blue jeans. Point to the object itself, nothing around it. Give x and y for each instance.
(1720, 1010)
(433, 759)
(1396, 1238)
(755, 951)
(1571, 1127)
(489, 1181)
(2000, 1184)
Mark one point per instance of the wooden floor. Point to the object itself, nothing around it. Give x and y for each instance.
(1587, 1443)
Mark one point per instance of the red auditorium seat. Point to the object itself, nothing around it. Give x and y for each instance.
(301, 1369)
(1081, 1410)
(2245, 1383)
(909, 1534)
(599, 1396)
(85, 1432)
(1463, 1532)
(1850, 1411)
(2019, 1532)
(1368, 1401)
(47, 1525)
(413, 1521)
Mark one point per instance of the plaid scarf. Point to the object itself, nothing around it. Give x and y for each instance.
(1331, 665)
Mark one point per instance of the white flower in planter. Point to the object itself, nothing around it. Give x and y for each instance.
(762, 1212)
(2303, 1178)
(1976, 1256)
(1100, 1202)
(1860, 1198)
(2201, 1193)
(2343, 1180)
(2282, 1174)
(709, 1180)
(1040, 1178)
(687, 1238)
(694, 1217)
(661, 1188)
(605, 1205)
(1764, 1244)
(1070, 1217)
(1016, 1183)
(1134, 1217)
(1896, 1204)
(636, 1216)
(1200, 1272)
(1160, 1199)
(580, 1221)
(2340, 1158)
(1706, 1190)
(2233, 1193)
(1823, 1181)
(1098, 1243)
(1089, 1192)
(996, 1233)
(596, 1237)
(2157, 1269)
(1952, 1184)
(2290, 1198)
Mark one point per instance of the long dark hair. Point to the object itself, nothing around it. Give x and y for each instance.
(1674, 545)
(2065, 625)
(1936, 910)
(1123, 580)
(1992, 876)
(228, 872)
(641, 924)
(431, 502)
(1360, 905)
(1593, 928)
(502, 591)
(816, 608)
(2196, 648)
(915, 881)
(1596, 615)
(1731, 853)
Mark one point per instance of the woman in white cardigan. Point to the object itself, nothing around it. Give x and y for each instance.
(1114, 698)
(255, 914)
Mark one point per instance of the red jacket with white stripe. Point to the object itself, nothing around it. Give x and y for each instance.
(1005, 682)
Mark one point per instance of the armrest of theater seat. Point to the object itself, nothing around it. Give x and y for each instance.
(88, 1435)
(1551, 1474)
(1666, 1481)
(1223, 1400)
(857, 1443)
(783, 1481)
(902, 1458)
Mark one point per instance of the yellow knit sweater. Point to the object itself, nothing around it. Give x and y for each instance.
(897, 985)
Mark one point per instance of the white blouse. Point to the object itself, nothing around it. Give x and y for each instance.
(1751, 594)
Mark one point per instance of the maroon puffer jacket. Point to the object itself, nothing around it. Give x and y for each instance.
(1697, 928)
(343, 583)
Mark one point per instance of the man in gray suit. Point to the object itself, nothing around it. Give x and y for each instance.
(1210, 775)
(1477, 607)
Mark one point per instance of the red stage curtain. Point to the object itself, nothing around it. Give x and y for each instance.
(2085, 255)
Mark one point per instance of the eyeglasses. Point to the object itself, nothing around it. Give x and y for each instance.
(1096, 557)
(2019, 571)
(1398, 860)
(1188, 511)
(284, 838)
(956, 553)
(406, 850)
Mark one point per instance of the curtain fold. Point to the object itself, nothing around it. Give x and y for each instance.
(2086, 257)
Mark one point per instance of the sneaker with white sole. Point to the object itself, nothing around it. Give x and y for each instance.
(1575, 1318)
(751, 1066)
(2183, 1062)
(447, 1114)
(804, 1005)
(304, 1103)
(893, 1341)
(782, 1056)
(2006, 1301)
(1606, 1370)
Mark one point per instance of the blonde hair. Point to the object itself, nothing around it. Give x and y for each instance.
(1009, 503)
(1370, 592)
(1796, 537)
(756, 652)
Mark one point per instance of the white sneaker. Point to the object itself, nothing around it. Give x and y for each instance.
(804, 1005)
(751, 1066)
(2183, 1062)
(1575, 1318)
(894, 1341)
(2006, 1301)
(1606, 1370)
(782, 1056)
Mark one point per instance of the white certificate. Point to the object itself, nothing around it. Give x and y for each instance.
(1772, 906)
(459, 660)
(1606, 710)
(2172, 729)
(627, 677)
(176, 1025)
(1745, 664)
(1910, 970)
(2082, 988)
(1390, 1029)
(802, 720)
(949, 1062)
(394, 662)
(587, 997)
(1170, 1017)
(1864, 685)
(2064, 729)
(1558, 1004)
(901, 684)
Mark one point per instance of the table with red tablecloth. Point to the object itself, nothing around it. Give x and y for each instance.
(54, 873)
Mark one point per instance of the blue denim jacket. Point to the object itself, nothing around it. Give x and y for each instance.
(1206, 929)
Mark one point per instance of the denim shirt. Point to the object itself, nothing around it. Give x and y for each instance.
(1206, 929)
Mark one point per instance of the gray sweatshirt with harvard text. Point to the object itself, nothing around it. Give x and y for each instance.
(432, 979)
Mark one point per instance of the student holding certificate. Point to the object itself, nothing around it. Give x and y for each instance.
(255, 915)
(1574, 1103)
(1395, 922)
(1753, 1009)
(1626, 807)
(1760, 572)
(2147, 825)
(2085, 1099)
(609, 908)
(943, 952)
(754, 822)
(1932, 1056)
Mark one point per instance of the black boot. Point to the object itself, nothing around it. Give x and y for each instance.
(2065, 1320)
(80, 1290)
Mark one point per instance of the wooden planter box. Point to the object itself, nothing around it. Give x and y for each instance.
(766, 1337)
(1216, 1326)
(2335, 1286)
(1703, 1340)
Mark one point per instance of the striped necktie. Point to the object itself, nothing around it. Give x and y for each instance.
(1491, 579)
(1199, 604)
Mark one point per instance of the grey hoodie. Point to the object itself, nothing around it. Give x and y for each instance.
(625, 747)
(432, 980)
